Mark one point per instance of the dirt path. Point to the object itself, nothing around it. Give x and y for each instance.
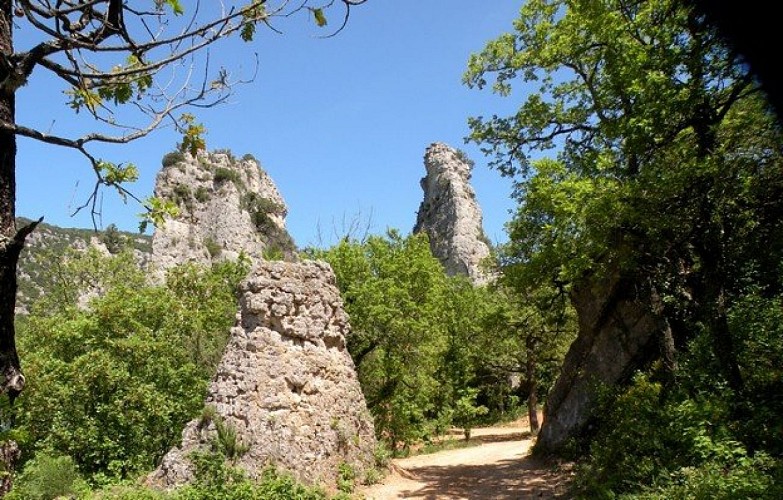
(499, 468)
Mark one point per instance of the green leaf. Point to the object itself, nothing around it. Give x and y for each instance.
(320, 18)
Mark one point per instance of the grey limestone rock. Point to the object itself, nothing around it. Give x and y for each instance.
(286, 382)
(450, 214)
(618, 333)
(227, 206)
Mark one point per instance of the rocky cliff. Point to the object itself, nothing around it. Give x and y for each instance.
(450, 215)
(286, 383)
(619, 332)
(227, 206)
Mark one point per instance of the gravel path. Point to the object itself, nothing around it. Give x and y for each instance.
(499, 468)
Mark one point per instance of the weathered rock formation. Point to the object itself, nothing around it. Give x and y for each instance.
(450, 215)
(227, 206)
(618, 333)
(286, 382)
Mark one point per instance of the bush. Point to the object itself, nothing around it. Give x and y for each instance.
(756, 477)
(182, 196)
(216, 480)
(202, 194)
(346, 478)
(48, 477)
(173, 158)
(250, 157)
(223, 174)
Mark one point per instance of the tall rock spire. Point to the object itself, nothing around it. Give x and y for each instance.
(450, 214)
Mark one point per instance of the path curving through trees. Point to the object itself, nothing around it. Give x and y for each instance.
(500, 467)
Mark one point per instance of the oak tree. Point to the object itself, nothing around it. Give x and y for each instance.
(665, 165)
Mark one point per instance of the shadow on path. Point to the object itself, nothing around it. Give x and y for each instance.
(506, 480)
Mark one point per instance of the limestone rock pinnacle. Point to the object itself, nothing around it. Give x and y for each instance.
(450, 214)
(286, 383)
(227, 206)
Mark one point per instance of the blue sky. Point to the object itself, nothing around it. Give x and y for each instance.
(340, 124)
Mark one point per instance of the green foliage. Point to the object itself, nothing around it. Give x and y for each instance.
(223, 174)
(415, 333)
(113, 385)
(227, 442)
(192, 135)
(122, 88)
(172, 158)
(463, 156)
(319, 17)
(663, 445)
(250, 157)
(346, 478)
(279, 242)
(39, 263)
(48, 477)
(113, 239)
(466, 411)
(157, 209)
(665, 171)
(216, 480)
(202, 194)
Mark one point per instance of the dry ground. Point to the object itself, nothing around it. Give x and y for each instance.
(499, 467)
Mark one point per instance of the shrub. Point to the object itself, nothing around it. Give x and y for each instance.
(346, 478)
(202, 194)
(250, 157)
(227, 441)
(217, 480)
(47, 477)
(463, 157)
(113, 239)
(223, 174)
(182, 196)
(173, 158)
(113, 386)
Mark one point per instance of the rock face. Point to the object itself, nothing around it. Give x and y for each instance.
(618, 334)
(286, 382)
(450, 215)
(227, 206)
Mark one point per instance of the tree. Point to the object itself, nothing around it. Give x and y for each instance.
(113, 383)
(666, 181)
(393, 290)
(112, 57)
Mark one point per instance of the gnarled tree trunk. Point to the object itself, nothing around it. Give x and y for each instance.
(11, 240)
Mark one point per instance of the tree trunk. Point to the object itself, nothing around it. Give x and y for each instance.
(532, 383)
(11, 240)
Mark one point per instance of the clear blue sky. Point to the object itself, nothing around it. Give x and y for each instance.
(340, 124)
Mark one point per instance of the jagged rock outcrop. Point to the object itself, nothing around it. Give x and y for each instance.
(227, 206)
(450, 215)
(618, 333)
(286, 382)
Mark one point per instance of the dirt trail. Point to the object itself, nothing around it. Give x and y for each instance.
(498, 468)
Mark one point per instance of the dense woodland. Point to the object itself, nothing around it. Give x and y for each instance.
(648, 155)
